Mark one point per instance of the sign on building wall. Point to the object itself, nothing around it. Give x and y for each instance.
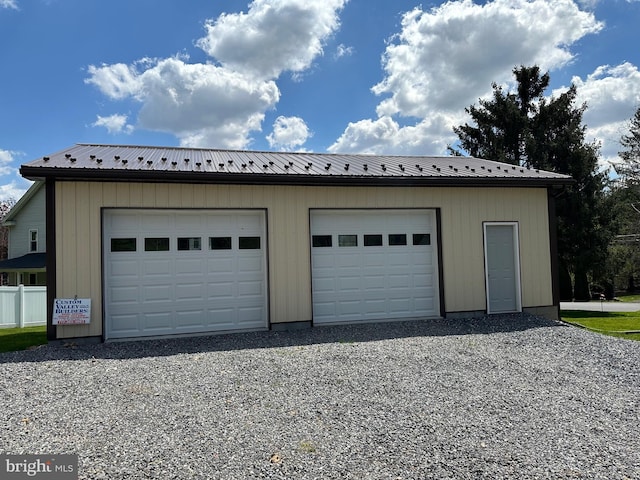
(71, 311)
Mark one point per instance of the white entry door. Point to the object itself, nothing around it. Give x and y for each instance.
(183, 271)
(502, 267)
(374, 265)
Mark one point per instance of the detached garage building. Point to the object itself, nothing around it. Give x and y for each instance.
(169, 241)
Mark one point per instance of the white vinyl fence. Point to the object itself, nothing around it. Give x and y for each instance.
(23, 306)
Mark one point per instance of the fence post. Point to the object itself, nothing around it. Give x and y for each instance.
(21, 305)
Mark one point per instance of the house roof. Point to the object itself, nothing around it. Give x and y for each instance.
(30, 261)
(24, 200)
(191, 165)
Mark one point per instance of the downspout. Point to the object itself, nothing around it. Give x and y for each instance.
(50, 216)
(553, 244)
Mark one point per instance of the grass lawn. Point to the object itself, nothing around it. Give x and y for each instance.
(12, 339)
(629, 298)
(608, 323)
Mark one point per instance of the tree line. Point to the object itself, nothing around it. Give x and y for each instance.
(598, 216)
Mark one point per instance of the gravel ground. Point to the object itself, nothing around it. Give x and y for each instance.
(511, 396)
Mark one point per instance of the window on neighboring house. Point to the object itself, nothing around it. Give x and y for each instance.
(33, 240)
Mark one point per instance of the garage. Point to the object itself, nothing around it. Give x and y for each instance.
(172, 272)
(374, 265)
(167, 240)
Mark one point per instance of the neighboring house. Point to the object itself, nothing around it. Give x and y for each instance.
(169, 241)
(26, 259)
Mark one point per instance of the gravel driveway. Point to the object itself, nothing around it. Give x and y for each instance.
(511, 396)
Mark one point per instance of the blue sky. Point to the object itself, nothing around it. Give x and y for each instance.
(374, 76)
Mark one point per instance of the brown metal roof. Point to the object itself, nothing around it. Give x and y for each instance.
(173, 164)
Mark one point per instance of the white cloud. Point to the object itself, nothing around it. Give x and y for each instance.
(607, 91)
(612, 95)
(6, 159)
(343, 51)
(114, 124)
(273, 36)
(8, 4)
(445, 58)
(589, 3)
(219, 105)
(288, 133)
(12, 191)
(462, 47)
(385, 136)
(117, 81)
(202, 104)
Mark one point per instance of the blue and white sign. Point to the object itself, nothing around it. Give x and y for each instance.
(71, 311)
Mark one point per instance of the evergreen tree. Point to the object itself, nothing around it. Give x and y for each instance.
(624, 254)
(629, 169)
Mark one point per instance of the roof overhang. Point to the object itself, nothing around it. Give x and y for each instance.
(287, 179)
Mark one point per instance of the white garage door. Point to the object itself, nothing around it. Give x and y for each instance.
(373, 265)
(183, 271)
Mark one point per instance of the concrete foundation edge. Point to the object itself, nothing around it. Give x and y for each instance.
(288, 326)
(551, 312)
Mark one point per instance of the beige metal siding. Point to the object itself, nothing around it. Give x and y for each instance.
(79, 244)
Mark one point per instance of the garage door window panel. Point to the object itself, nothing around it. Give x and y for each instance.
(159, 244)
(320, 241)
(347, 240)
(123, 245)
(397, 239)
(189, 243)
(373, 240)
(220, 243)
(421, 239)
(249, 243)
